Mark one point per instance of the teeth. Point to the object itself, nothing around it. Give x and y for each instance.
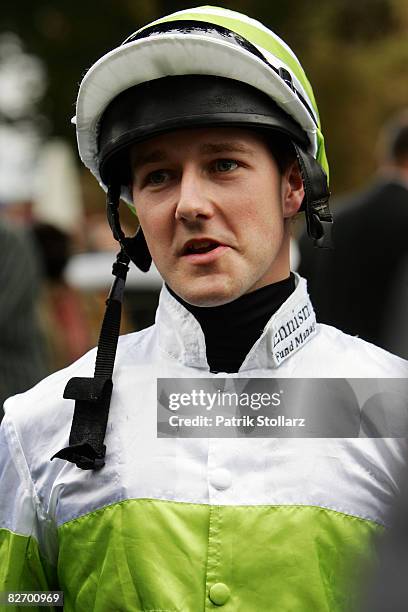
(201, 247)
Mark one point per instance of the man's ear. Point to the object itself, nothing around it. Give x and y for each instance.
(292, 190)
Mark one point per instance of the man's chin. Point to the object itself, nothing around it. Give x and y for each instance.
(207, 296)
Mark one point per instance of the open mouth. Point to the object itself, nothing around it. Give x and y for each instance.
(195, 247)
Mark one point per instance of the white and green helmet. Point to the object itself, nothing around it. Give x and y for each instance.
(129, 94)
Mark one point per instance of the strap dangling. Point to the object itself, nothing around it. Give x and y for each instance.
(93, 395)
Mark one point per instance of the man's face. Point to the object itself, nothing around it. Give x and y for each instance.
(212, 205)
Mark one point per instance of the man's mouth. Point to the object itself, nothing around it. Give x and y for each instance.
(193, 247)
(203, 251)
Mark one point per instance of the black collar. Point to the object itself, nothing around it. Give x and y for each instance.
(232, 329)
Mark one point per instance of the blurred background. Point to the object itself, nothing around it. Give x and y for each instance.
(57, 248)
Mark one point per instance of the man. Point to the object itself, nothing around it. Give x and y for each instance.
(360, 286)
(207, 125)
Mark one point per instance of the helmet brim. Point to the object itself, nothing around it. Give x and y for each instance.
(171, 54)
(181, 102)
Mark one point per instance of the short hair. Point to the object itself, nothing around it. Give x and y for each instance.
(282, 150)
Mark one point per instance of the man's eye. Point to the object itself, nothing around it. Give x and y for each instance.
(158, 177)
(225, 165)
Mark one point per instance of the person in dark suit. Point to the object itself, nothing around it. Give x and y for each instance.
(358, 286)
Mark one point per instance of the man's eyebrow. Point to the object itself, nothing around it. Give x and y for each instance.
(225, 147)
(157, 155)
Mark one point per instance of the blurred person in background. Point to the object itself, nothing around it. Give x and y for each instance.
(23, 360)
(22, 350)
(361, 286)
(210, 131)
(70, 316)
(63, 312)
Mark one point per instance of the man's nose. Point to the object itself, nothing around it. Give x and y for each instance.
(194, 203)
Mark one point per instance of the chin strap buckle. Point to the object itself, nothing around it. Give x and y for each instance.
(319, 220)
(325, 229)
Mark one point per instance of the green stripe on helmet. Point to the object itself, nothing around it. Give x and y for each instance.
(255, 35)
(238, 23)
(321, 154)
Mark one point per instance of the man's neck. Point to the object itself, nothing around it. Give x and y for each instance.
(232, 329)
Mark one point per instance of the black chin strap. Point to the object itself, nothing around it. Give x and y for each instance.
(93, 395)
(319, 220)
(135, 246)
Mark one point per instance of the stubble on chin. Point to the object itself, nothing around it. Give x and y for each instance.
(209, 293)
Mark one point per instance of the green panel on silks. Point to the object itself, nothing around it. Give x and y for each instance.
(155, 555)
(22, 568)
